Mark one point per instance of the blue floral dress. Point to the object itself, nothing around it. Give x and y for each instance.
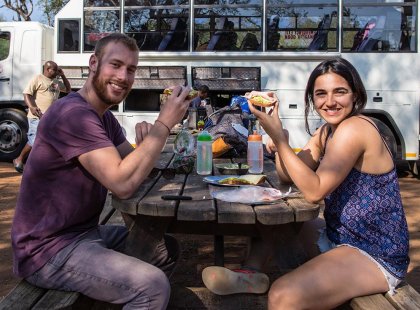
(366, 212)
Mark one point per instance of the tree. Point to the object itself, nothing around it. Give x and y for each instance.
(23, 8)
(50, 8)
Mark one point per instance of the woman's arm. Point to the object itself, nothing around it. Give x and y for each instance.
(342, 152)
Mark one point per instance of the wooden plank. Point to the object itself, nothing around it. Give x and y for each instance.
(23, 296)
(406, 298)
(279, 213)
(54, 299)
(153, 204)
(201, 208)
(304, 211)
(129, 206)
(371, 302)
(202, 298)
(234, 213)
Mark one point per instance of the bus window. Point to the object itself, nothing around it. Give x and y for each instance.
(222, 27)
(99, 24)
(302, 25)
(101, 3)
(162, 26)
(69, 35)
(150, 100)
(379, 27)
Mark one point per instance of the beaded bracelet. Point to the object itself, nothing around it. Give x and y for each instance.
(169, 130)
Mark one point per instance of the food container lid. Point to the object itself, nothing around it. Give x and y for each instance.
(254, 137)
(204, 136)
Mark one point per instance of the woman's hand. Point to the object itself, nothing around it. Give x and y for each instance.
(269, 121)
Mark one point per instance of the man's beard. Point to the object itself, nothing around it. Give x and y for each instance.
(100, 86)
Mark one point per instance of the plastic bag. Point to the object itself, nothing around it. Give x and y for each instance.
(251, 195)
(184, 149)
(220, 126)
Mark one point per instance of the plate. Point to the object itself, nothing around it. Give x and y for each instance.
(214, 180)
(232, 169)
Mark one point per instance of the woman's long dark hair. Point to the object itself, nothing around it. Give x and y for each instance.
(344, 69)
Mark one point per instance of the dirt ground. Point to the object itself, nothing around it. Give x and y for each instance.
(197, 252)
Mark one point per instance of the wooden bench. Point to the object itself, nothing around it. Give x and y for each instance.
(405, 298)
(26, 296)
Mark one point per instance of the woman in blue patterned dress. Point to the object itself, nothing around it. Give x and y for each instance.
(362, 247)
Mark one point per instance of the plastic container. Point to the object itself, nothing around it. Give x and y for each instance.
(255, 154)
(204, 153)
(192, 118)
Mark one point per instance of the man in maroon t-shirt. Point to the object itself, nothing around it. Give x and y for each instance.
(79, 155)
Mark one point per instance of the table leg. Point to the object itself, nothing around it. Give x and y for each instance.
(219, 250)
(287, 250)
(146, 240)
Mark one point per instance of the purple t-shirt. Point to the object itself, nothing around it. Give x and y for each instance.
(58, 199)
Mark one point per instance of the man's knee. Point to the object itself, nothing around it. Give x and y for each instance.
(157, 292)
(159, 283)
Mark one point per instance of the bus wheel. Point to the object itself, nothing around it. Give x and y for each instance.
(388, 136)
(13, 129)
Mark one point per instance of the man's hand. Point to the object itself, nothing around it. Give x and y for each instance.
(175, 106)
(36, 111)
(66, 82)
(142, 130)
(60, 72)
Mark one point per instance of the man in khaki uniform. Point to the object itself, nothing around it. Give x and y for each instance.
(40, 93)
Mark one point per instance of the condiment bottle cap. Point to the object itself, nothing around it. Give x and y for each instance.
(204, 136)
(254, 137)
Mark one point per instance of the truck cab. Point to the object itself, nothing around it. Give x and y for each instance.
(24, 47)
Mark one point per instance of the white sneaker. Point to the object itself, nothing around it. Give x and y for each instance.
(223, 281)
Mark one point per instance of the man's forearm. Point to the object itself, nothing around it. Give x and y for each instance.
(29, 101)
(66, 83)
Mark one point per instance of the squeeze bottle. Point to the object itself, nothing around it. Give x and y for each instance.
(255, 153)
(204, 153)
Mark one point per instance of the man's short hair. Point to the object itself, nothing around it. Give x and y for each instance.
(128, 42)
(204, 89)
(48, 64)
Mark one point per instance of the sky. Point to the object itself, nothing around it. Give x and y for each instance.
(8, 14)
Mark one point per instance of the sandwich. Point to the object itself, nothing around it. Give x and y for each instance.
(192, 94)
(247, 179)
(260, 101)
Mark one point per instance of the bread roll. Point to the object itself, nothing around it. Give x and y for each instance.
(192, 94)
(260, 101)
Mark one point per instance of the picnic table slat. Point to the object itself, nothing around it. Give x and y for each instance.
(279, 213)
(376, 301)
(234, 213)
(201, 207)
(406, 298)
(154, 205)
(304, 211)
(130, 205)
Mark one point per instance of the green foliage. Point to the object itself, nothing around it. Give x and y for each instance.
(4, 48)
(50, 8)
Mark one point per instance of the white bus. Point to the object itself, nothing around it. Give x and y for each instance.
(235, 46)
